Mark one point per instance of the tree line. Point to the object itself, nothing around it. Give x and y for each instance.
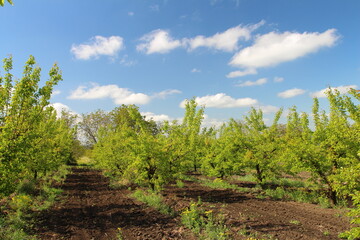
(34, 141)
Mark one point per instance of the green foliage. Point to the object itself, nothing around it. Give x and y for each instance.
(138, 150)
(154, 200)
(91, 123)
(2, 2)
(219, 183)
(32, 140)
(17, 213)
(329, 152)
(204, 223)
(354, 214)
(263, 146)
(224, 153)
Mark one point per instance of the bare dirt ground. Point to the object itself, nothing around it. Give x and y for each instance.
(90, 209)
(264, 218)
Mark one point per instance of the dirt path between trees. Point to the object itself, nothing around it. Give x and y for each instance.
(249, 216)
(90, 209)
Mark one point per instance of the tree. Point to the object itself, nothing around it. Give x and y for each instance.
(32, 140)
(91, 123)
(330, 150)
(262, 145)
(2, 2)
(224, 155)
(190, 128)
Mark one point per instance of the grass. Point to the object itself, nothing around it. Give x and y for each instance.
(17, 214)
(154, 200)
(297, 195)
(219, 183)
(295, 222)
(180, 184)
(84, 161)
(203, 223)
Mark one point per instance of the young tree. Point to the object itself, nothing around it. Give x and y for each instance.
(225, 154)
(29, 129)
(263, 145)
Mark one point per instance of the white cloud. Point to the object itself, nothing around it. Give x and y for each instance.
(195, 70)
(158, 41)
(278, 79)
(212, 122)
(249, 71)
(98, 46)
(258, 82)
(155, 117)
(59, 108)
(268, 109)
(165, 93)
(273, 48)
(131, 14)
(126, 62)
(55, 92)
(221, 100)
(291, 93)
(341, 89)
(117, 94)
(225, 41)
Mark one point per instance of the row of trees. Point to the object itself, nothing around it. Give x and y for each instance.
(326, 145)
(152, 154)
(33, 141)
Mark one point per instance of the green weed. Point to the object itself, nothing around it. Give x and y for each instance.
(154, 200)
(295, 222)
(180, 184)
(219, 183)
(203, 223)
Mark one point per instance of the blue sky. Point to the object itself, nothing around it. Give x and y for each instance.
(230, 54)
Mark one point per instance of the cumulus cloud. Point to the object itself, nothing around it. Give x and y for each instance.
(278, 79)
(156, 117)
(341, 89)
(212, 122)
(273, 48)
(117, 94)
(226, 41)
(258, 82)
(98, 46)
(158, 41)
(221, 100)
(249, 71)
(59, 108)
(291, 93)
(268, 108)
(55, 92)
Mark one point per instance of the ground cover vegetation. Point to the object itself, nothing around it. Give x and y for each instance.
(35, 145)
(325, 145)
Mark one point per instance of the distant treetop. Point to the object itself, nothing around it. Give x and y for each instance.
(2, 2)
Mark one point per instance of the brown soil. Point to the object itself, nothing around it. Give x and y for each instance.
(263, 218)
(90, 209)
